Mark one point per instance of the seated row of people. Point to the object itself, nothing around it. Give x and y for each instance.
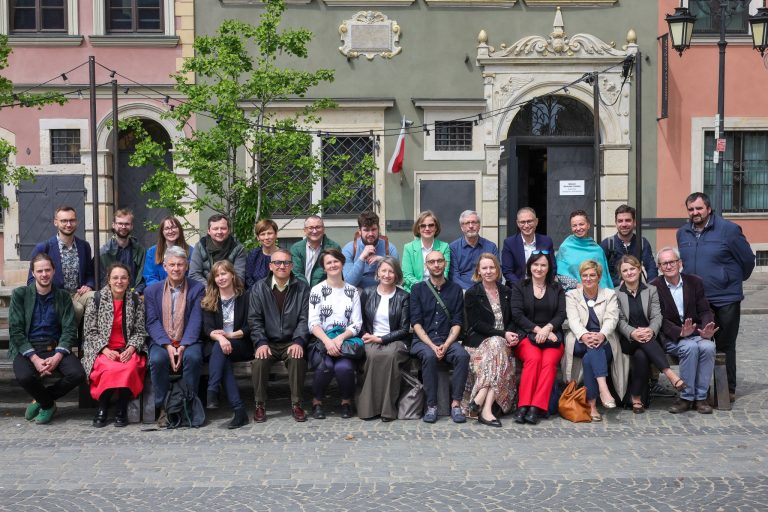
(281, 318)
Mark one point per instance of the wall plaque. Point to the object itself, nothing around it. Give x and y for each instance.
(369, 33)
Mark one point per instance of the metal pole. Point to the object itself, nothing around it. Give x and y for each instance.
(638, 156)
(596, 156)
(115, 133)
(94, 171)
(721, 44)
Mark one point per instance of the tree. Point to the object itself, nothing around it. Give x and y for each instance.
(249, 164)
(13, 174)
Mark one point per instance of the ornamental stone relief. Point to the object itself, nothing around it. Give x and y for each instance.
(369, 33)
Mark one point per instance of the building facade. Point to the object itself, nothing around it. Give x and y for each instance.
(137, 43)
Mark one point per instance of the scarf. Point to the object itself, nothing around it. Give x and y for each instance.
(174, 324)
(574, 250)
(218, 252)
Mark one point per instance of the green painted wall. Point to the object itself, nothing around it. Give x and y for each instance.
(436, 41)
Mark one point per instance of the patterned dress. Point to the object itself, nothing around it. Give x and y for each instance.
(491, 364)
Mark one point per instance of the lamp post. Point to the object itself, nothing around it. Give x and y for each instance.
(680, 30)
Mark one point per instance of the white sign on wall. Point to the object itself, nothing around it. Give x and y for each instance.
(572, 187)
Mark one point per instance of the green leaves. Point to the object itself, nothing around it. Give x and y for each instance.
(243, 160)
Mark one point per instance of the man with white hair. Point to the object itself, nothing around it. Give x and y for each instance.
(466, 250)
(174, 324)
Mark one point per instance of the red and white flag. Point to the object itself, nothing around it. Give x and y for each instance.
(396, 163)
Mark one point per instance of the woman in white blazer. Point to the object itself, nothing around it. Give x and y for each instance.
(592, 347)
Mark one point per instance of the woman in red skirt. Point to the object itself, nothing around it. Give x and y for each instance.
(113, 345)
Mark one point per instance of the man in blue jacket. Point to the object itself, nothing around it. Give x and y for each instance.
(365, 251)
(72, 261)
(174, 324)
(716, 250)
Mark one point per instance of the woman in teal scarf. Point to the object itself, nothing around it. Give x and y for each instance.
(580, 247)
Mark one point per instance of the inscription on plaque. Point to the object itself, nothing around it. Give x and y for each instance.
(369, 33)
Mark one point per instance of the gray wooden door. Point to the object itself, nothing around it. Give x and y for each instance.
(38, 201)
(569, 168)
(447, 199)
(129, 182)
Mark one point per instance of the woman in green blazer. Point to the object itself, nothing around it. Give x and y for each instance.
(425, 229)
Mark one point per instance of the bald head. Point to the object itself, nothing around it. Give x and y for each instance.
(436, 265)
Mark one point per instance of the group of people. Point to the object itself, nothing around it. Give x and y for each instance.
(356, 314)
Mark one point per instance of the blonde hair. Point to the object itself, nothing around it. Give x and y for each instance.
(591, 264)
(486, 256)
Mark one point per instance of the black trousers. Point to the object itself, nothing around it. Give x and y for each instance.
(727, 319)
(72, 375)
(645, 355)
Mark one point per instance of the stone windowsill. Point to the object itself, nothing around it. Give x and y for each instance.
(44, 40)
(134, 40)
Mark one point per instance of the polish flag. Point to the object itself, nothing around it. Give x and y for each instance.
(396, 163)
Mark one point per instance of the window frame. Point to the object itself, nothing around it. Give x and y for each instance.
(68, 155)
(134, 20)
(38, 8)
(713, 37)
(436, 110)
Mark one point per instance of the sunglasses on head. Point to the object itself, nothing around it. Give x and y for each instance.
(537, 251)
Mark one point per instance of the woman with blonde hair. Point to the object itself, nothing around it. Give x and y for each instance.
(225, 323)
(592, 346)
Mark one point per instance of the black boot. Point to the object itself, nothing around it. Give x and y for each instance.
(240, 419)
(519, 415)
(533, 416)
(121, 414)
(100, 420)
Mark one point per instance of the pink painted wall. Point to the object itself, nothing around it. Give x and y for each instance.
(693, 93)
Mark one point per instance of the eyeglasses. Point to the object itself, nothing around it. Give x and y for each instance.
(124, 224)
(526, 221)
(171, 228)
(537, 251)
(68, 221)
(467, 222)
(314, 228)
(427, 226)
(668, 263)
(282, 263)
(435, 262)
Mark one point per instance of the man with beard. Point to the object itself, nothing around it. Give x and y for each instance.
(42, 331)
(625, 242)
(72, 261)
(125, 249)
(218, 245)
(466, 250)
(365, 251)
(716, 250)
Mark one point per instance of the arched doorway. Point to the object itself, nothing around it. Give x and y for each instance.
(549, 163)
(128, 181)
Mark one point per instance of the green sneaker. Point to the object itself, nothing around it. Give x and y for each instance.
(45, 415)
(32, 411)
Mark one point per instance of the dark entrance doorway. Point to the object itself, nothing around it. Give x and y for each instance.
(547, 164)
(129, 180)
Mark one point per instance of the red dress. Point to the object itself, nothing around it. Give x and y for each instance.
(108, 374)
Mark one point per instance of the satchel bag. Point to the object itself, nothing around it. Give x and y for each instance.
(410, 404)
(573, 404)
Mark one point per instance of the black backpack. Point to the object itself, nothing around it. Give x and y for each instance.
(183, 407)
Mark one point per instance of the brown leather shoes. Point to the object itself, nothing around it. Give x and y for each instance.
(298, 413)
(260, 415)
(702, 407)
(680, 405)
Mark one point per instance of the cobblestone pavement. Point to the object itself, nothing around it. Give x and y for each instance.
(653, 461)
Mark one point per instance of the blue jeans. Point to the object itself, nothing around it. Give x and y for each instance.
(594, 363)
(697, 362)
(220, 369)
(160, 368)
(455, 356)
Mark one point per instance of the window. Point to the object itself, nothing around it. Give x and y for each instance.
(125, 16)
(288, 167)
(65, 146)
(453, 135)
(707, 14)
(745, 170)
(761, 258)
(38, 16)
(341, 154)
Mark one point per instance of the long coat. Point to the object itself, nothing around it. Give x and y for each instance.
(607, 311)
(97, 325)
(649, 298)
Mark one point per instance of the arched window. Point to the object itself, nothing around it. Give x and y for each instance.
(553, 115)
